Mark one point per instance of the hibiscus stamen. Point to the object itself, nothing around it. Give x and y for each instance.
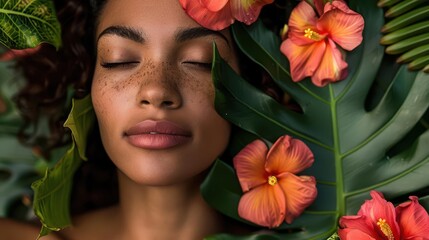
(385, 229)
(272, 180)
(308, 33)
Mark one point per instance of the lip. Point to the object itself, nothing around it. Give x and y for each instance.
(150, 134)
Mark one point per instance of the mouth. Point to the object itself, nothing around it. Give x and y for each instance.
(156, 135)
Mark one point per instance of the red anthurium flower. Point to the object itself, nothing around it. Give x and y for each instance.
(273, 191)
(313, 36)
(378, 219)
(219, 14)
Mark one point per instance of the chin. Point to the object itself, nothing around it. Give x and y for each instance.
(165, 178)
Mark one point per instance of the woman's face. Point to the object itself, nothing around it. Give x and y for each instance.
(152, 91)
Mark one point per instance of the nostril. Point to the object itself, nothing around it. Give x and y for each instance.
(145, 102)
(168, 103)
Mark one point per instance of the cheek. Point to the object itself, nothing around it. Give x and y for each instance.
(108, 101)
(100, 97)
(199, 87)
(215, 129)
(216, 137)
(113, 92)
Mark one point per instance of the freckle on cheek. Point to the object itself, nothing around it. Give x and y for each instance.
(198, 83)
(103, 90)
(136, 79)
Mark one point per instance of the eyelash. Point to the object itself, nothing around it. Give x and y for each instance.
(110, 65)
(203, 65)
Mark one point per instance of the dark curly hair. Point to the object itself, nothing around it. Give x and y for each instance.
(52, 77)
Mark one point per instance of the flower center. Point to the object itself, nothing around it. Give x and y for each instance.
(385, 228)
(272, 180)
(308, 33)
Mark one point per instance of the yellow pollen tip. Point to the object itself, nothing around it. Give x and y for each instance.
(308, 33)
(385, 229)
(272, 180)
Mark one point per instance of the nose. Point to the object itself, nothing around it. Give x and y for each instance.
(159, 89)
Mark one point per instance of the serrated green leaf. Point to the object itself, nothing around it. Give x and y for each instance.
(27, 23)
(407, 32)
(386, 3)
(52, 192)
(403, 7)
(357, 148)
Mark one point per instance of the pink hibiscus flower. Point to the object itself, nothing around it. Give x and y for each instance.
(380, 220)
(311, 45)
(273, 191)
(219, 14)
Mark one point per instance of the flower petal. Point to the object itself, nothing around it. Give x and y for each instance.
(353, 234)
(288, 155)
(378, 208)
(299, 192)
(212, 20)
(360, 225)
(304, 60)
(247, 11)
(302, 17)
(214, 5)
(264, 205)
(249, 164)
(344, 28)
(413, 219)
(332, 67)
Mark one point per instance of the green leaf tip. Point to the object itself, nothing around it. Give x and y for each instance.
(80, 121)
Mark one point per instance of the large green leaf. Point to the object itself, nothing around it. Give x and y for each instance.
(355, 128)
(27, 23)
(52, 192)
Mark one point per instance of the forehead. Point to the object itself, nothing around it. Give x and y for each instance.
(149, 15)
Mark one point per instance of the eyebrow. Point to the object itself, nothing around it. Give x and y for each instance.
(125, 32)
(181, 35)
(197, 32)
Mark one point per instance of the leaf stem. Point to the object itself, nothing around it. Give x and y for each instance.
(337, 155)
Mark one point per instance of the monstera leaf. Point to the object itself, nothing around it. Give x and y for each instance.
(26, 24)
(364, 131)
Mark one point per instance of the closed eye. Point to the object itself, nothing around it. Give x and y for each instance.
(204, 65)
(111, 65)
